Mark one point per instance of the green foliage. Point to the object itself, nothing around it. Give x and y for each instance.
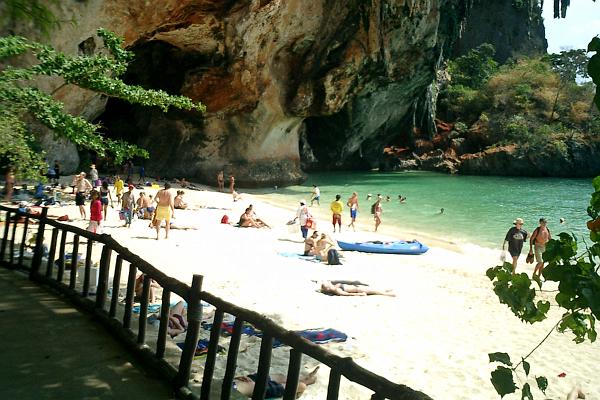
(569, 64)
(578, 296)
(36, 12)
(20, 98)
(474, 68)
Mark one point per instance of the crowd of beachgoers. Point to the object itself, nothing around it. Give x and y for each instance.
(425, 321)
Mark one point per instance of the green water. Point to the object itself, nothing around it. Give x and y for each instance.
(477, 209)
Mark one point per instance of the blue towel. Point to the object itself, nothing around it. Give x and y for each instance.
(152, 308)
(201, 348)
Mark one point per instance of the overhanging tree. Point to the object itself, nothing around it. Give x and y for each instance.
(21, 99)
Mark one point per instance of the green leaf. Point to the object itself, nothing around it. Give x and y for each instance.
(526, 367)
(503, 358)
(542, 383)
(526, 392)
(502, 379)
(596, 183)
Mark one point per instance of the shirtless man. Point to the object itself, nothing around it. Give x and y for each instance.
(310, 244)
(353, 204)
(82, 186)
(537, 245)
(165, 209)
(220, 181)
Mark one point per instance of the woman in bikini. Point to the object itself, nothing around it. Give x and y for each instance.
(104, 197)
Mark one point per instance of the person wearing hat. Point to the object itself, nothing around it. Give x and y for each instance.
(303, 216)
(515, 237)
(537, 245)
(128, 205)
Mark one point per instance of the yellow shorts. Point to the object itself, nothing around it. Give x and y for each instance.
(163, 212)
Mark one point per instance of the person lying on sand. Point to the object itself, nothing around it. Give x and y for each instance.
(275, 384)
(341, 289)
(177, 319)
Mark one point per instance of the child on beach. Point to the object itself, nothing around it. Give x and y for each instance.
(95, 212)
(128, 205)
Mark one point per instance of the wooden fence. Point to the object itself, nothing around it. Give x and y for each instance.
(49, 266)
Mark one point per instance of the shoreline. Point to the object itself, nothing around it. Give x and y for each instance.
(437, 331)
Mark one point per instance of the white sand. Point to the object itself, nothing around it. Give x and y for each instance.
(434, 336)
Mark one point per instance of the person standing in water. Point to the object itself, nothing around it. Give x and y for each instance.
(220, 181)
(515, 237)
(315, 196)
(231, 184)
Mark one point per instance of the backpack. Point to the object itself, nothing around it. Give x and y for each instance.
(536, 231)
(373, 208)
(333, 257)
(225, 219)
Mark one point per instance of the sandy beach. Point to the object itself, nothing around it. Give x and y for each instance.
(434, 336)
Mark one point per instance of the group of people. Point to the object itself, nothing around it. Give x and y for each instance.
(517, 236)
(318, 245)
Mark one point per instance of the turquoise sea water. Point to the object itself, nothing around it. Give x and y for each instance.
(477, 209)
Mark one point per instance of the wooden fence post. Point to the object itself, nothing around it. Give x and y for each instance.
(38, 251)
(5, 238)
(191, 338)
(103, 277)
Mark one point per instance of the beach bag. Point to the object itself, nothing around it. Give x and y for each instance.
(529, 259)
(373, 208)
(333, 257)
(310, 223)
(225, 219)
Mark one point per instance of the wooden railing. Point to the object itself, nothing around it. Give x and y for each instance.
(104, 303)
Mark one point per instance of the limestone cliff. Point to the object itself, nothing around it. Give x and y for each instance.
(346, 75)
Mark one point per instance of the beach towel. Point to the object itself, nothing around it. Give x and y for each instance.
(318, 336)
(291, 254)
(152, 308)
(202, 348)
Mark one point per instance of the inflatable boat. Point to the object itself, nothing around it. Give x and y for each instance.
(394, 247)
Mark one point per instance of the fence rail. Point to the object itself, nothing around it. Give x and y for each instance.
(102, 299)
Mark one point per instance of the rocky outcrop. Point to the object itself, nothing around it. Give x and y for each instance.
(349, 73)
(578, 159)
(514, 28)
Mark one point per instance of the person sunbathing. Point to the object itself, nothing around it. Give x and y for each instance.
(177, 319)
(178, 202)
(341, 289)
(310, 244)
(323, 245)
(275, 384)
(139, 287)
(255, 217)
(246, 221)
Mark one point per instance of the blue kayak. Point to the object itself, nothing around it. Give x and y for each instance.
(395, 247)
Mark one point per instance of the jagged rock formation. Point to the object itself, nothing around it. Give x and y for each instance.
(348, 73)
(514, 29)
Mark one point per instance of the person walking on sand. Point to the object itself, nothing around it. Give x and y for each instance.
(82, 186)
(93, 175)
(119, 186)
(336, 208)
(105, 195)
(376, 210)
(128, 205)
(231, 184)
(315, 196)
(220, 181)
(165, 209)
(302, 215)
(515, 237)
(95, 212)
(353, 204)
(9, 183)
(537, 245)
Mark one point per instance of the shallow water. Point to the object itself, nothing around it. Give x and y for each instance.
(477, 209)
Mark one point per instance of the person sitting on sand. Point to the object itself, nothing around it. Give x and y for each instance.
(139, 287)
(341, 289)
(178, 202)
(246, 220)
(324, 244)
(275, 384)
(255, 217)
(236, 196)
(177, 319)
(183, 183)
(310, 244)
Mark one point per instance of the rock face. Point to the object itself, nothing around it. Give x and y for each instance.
(347, 74)
(514, 28)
